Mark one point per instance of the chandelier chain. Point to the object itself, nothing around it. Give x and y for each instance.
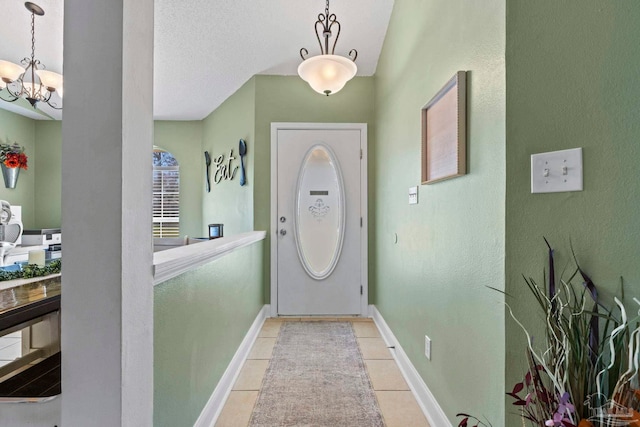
(33, 93)
(33, 36)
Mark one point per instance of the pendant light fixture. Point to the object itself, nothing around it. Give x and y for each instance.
(32, 81)
(327, 73)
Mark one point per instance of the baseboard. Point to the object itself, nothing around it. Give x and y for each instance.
(212, 409)
(432, 410)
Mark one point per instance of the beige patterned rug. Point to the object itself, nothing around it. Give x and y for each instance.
(316, 378)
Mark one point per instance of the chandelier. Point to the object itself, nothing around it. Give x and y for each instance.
(32, 81)
(327, 73)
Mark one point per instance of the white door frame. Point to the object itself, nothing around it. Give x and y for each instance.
(364, 238)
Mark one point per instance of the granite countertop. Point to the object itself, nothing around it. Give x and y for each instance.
(21, 296)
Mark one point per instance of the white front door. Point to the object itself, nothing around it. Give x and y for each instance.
(318, 239)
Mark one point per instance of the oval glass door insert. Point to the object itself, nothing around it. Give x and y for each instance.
(320, 212)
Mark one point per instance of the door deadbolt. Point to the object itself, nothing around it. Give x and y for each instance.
(283, 219)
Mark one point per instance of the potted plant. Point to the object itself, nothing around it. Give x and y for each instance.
(12, 159)
(585, 372)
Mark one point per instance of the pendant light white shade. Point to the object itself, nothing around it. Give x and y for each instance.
(51, 80)
(327, 74)
(10, 71)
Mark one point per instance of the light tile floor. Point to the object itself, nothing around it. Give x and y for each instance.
(397, 403)
(10, 347)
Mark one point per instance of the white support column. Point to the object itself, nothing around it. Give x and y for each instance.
(107, 291)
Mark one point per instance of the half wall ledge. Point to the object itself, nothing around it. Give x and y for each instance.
(170, 263)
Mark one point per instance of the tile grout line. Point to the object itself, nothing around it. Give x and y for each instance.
(366, 369)
(264, 376)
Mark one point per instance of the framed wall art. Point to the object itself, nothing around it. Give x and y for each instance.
(444, 132)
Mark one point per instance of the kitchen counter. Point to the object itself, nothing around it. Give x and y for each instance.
(21, 305)
(26, 301)
(6, 284)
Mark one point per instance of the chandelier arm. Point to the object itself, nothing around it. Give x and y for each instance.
(53, 105)
(15, 98)
(15, 94)
(353, 54)
(47, 99)
(303, 53)
(323, 26)
(334, 21)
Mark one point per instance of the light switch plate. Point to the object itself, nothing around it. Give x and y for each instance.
(413, 195)
(556, 171)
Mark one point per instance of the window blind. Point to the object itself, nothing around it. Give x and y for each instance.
(166, 201)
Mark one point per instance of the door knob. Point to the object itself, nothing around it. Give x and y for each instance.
(283, 232)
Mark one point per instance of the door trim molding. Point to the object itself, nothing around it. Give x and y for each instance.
(273, 222)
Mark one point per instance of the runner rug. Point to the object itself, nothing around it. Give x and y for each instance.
(316, 378)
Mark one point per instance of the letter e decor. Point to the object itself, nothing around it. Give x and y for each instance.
(224, 170)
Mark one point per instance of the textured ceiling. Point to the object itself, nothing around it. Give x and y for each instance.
(206, 49)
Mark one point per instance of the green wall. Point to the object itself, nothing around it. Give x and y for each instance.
(290, 99)
(450, 246)
(183, 139)
(572, 81)
(200, 319)
(39, 187)
(229, 203)
(16, 128)
(48, 141)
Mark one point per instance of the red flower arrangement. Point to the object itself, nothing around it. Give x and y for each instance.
(13, 156)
